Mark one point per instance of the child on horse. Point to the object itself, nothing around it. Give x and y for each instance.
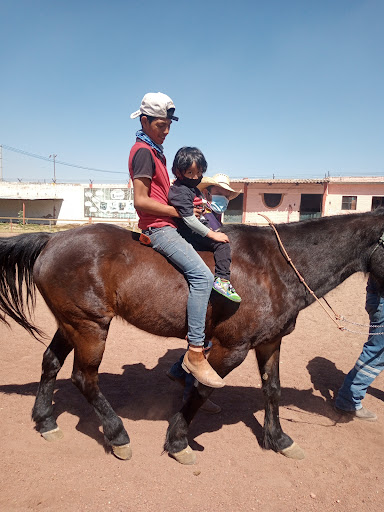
(189, 165)
(147, 167)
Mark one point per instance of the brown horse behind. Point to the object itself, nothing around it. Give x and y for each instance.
(90, 274)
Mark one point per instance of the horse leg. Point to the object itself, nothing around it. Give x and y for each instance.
(89, 343)
(268, 357)
(42, 412)
(223, 360)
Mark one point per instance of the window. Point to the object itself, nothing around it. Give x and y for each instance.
(377, 202)
(272, 200)
(234, 212)
(310, 206)
(348, 203)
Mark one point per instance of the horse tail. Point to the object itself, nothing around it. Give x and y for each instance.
(17, 288)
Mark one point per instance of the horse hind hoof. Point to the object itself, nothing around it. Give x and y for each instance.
(186, 456)
(293, 452)
(123, 452)
(53, 435)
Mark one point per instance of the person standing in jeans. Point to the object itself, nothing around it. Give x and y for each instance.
(369, 364)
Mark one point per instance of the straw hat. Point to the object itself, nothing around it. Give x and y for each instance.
(219, 180)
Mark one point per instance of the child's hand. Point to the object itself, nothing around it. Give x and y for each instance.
(217, 236)
(198, 207)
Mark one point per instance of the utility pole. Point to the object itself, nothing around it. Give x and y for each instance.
(1, 162)
(54, 167)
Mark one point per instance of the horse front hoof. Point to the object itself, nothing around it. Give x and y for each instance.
(53, 435)
(123, 452)
(293, 452)
(186, 456)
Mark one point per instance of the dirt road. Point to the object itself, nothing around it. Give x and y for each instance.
(342, 471)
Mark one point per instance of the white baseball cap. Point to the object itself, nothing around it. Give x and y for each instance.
(156, 104)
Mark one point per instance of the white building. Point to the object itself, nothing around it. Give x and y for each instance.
(67, 203)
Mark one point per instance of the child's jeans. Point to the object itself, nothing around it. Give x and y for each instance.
(221, 252)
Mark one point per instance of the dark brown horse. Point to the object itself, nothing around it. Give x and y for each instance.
(90, 274)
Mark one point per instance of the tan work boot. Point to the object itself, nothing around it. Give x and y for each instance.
(195, 362)
(360, 414)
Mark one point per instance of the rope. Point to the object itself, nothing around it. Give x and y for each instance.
(302, 280)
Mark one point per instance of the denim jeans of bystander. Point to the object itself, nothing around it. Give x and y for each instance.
(370, 362)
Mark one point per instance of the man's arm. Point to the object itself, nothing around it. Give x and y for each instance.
(143, 202)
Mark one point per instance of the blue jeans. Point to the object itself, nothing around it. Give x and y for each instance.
(371, 360)
(170, 243)
(177, 371)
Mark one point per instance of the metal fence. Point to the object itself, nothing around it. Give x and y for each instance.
(62, 223)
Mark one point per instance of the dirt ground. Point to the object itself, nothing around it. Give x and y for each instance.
(342, 471)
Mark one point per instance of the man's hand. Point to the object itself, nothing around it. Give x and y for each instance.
(198, 211)
(217, 236)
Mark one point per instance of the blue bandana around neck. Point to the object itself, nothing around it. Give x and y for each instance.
(144, 137)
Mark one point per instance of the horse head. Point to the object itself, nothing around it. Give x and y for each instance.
(376, 256)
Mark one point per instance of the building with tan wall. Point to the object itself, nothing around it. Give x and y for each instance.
(292, 200)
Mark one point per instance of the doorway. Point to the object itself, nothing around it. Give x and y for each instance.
(234, 212)
(310, 206)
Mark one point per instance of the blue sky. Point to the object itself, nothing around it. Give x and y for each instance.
(290, 88)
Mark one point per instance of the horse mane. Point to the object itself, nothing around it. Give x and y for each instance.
(315, 237)
(308, 225)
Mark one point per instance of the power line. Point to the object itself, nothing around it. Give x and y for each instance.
(250, 175)
(40, 157)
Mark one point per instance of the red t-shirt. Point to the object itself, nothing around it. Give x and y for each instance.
(158, 190)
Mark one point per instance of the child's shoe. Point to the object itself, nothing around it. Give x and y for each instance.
(225, 288)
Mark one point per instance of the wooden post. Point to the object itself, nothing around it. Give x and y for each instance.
(324, 202)
(245, 198)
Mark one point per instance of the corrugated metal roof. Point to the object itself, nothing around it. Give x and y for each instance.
(274, 180)
(22, 198)
(331, 179)
(356, 179)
